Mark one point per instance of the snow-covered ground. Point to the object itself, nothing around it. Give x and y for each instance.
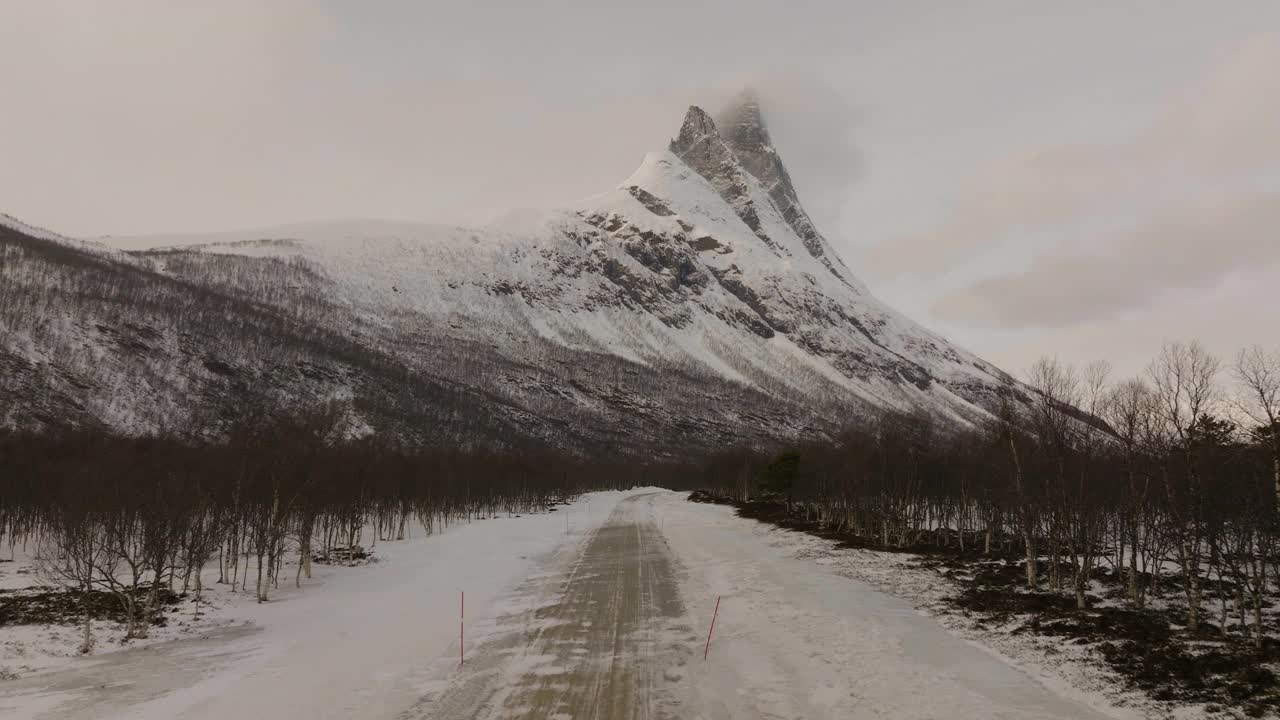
(801, 638)
(354, 642)
(600, 610)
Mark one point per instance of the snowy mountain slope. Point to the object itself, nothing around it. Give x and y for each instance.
(193, 341)
(704, 257)
(743, 130)
(696, 299)
(91, 337)
(87, 247)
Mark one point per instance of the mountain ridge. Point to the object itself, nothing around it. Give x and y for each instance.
(701, 267)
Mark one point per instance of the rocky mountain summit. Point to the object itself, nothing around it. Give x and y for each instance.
(696, 304)
(746, 135)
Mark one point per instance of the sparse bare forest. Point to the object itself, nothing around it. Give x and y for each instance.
(1146, 520)
(138, 519)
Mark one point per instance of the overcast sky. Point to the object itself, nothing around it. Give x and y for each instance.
(1086, 179)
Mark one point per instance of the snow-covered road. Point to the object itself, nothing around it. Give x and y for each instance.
(600, 614)
(603, 640)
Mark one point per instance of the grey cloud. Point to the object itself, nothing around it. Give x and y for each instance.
(815, 129)
(146, 116)
(1220, 130)
(1193, 247)
(1230, 316)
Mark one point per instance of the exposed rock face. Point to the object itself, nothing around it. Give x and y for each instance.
(700, 146)
(745, 133)
(727, 151)
(747, 137)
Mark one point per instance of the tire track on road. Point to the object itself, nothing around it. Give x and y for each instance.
(595, 650)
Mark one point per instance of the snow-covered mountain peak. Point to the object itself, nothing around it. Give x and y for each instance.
(701, 147)
(696, 296)
(744, 131)
(736, 155)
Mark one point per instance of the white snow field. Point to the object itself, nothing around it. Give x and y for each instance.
(599, 610)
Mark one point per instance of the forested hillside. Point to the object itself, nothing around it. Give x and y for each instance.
(175, 343)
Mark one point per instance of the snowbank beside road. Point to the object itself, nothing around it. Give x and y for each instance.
(353, 642)
(795, 639)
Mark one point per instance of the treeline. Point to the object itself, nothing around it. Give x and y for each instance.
(1162, 485)
(142, 517)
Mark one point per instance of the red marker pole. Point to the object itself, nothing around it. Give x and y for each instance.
(707, 649)
(462, 617)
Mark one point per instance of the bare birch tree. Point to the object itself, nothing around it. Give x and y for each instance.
(1258, 375)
